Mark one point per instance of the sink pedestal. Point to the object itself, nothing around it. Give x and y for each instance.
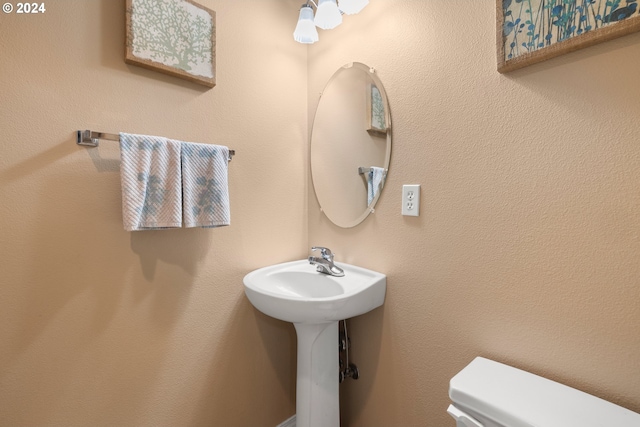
(317, 393)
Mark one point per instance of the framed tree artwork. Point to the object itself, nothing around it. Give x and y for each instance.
(532, 31)
(176, 37)
(375, 111)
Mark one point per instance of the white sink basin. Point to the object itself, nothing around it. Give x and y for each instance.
(296, 292)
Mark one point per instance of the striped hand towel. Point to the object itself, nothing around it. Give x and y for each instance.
(150, 178)
(374, 182)
(205, 186)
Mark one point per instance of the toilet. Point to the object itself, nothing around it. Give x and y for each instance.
(490, 394)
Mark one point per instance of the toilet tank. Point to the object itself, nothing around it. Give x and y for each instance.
(489, 394)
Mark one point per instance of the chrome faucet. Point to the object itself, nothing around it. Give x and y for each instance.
(324, 263)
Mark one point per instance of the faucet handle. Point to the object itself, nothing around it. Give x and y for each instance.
(324, 252)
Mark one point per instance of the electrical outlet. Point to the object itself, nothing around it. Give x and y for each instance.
(411, 200)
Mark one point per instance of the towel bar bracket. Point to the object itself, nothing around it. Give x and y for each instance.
(85, 138)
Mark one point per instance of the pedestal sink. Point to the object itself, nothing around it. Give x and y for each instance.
(314, 302)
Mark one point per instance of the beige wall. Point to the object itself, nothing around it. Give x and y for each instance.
(527, 249)
(102, 327)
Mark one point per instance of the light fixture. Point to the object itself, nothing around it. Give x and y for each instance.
(327, 15)
(351, 7)
(305, 31)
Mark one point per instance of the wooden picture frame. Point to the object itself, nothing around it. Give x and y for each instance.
(376, 122)
(532, 31)
(175, 37)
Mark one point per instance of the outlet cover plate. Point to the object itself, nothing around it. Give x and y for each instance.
(411, 200)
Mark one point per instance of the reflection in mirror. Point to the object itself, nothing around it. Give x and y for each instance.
(350, 145)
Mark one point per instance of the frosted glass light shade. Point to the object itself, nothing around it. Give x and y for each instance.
(305, 31)
(328, 15)
(351, 7)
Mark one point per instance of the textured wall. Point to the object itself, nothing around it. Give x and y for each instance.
(102, 327)
(527, 249)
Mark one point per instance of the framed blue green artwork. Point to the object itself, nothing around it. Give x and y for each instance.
(176, 37)
(532, 31)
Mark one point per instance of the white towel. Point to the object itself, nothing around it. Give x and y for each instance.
(150, 178)
(374, 182)
(205, 186)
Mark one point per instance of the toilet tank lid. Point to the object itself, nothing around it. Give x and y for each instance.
(515, 398)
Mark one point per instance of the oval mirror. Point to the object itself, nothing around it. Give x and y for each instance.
(350, 145)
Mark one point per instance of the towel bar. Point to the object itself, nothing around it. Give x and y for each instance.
(363, 170)
(90, 138)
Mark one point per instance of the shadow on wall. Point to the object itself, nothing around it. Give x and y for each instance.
(244, 373)
(365, 353)
(185, 248)
(36, 163)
